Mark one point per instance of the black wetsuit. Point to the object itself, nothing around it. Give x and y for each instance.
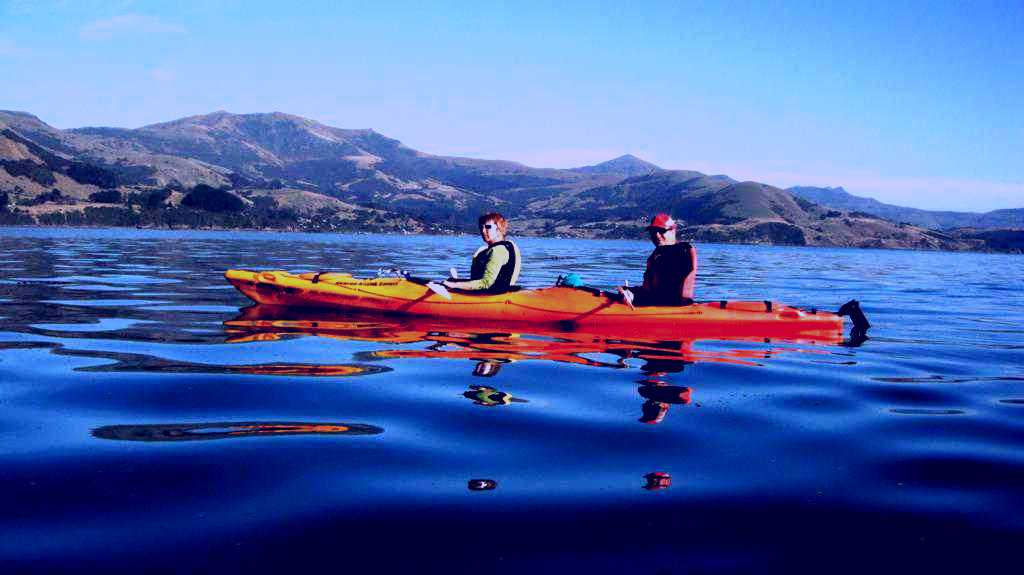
(667, 268)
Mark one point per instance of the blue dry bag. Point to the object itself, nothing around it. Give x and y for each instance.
(570, 280)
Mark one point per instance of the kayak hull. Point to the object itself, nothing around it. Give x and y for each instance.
(487, 342)
(566, 306)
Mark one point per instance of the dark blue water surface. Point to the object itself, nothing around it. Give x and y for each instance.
(148, 424)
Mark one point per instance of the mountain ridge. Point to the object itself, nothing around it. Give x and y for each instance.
(838, 197)
(287, 171)
(626, 165)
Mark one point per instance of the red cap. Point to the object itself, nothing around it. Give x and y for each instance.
(662, 221)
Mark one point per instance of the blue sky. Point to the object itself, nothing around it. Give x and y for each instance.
(920, 104)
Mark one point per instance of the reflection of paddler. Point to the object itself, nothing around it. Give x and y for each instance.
(487, 369)
(226, 430)
(665, 357)
(657, 480)
(653, 412)
(490, 397)
(659, 395)
(675, 394)
(659, 356)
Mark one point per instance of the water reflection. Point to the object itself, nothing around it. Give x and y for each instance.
(490, 347)
(135, 362)
(490, 397)
(482, 484)
(924, 421)
(659, 395)
(657, 390)
(488, 368)
(228, 430)
(491, 350)
(657, 480)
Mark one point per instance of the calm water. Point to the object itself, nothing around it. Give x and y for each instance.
(147, 424)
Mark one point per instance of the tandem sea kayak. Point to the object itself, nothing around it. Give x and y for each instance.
(568, 307)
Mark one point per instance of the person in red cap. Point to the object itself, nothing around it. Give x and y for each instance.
(671, 269)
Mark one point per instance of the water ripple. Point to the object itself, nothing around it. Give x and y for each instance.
(128, 365)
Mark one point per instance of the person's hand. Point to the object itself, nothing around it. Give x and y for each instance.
(447, 283)
(627, 296)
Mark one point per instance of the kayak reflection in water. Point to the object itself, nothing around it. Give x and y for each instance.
(228, 429)
(493, 353)
(495, 267)
(671, 269)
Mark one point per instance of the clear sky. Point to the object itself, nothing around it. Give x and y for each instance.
(918, 104)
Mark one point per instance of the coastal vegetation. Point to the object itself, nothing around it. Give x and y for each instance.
(277, 171)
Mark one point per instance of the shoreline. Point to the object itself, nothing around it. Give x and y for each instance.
(640, 238)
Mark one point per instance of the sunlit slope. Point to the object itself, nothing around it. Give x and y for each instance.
(282, 171)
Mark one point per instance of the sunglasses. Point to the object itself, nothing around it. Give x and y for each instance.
(489, 227)
(658, 231)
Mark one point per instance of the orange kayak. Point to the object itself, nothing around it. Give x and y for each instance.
(569, 308)
(479, 341)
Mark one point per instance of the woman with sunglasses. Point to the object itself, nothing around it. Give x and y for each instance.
(495, 266)
(671, 269)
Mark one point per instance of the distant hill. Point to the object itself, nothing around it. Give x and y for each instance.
(282, 171)
(626, 166)
(720, 209)
(940, 220)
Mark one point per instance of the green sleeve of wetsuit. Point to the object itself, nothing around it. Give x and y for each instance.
(499, 257)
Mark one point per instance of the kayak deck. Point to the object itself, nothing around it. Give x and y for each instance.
(554, 305)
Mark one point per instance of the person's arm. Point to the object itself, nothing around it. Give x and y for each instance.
(649, 271)
(638, 295)
(499, 257)
(686, 287)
